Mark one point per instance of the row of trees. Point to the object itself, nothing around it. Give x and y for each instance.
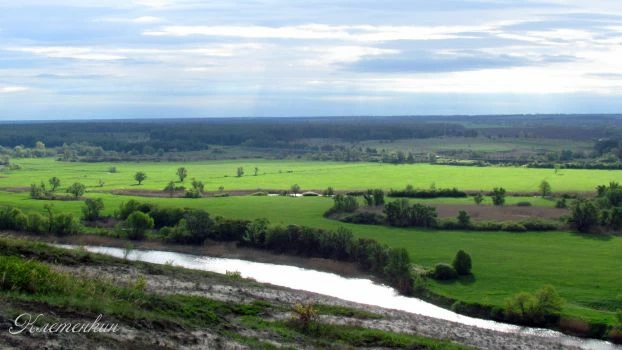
(194, 226)
(54, 223)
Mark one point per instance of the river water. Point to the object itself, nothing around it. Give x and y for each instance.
(356, 290)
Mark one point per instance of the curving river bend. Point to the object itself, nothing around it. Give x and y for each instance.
(356, 290)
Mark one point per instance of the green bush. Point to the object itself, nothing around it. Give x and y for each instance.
(92, 209)
(37, 223)
(513, 227)
(539, 225)
(25, 276)
(523, 204)
(65, 224)
(462, 263)
(137, 224)
(444, 272)
(540, 308)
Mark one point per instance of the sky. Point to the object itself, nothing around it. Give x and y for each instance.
(78, 59)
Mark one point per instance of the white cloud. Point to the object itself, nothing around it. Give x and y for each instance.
(146, 19)
(361, 33)
(80, 53)
(12, 89)
(342, 54)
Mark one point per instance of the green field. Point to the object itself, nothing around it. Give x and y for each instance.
(584, 269)
(309, 175)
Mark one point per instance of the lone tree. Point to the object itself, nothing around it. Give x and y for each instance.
(545, 188)
(54, 183)
(170, 188)
(240, 172)
(137, 224)
(256, 171)
(295, 189)
(498, 196)
(92, 209)
(77, 189)
(478, 198)
(464, 219)
(462, 263)
(140, 177)
(182, 173)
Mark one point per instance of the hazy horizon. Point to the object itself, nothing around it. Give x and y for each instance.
(272, 58)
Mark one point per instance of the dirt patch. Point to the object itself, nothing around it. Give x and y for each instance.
(490, 212)
(15, 189)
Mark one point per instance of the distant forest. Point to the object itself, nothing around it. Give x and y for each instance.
(318, 138)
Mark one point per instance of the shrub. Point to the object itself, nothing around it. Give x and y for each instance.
(513, 227)
(37, 223)
(523, 204)
(410, 192)
(76, 189)
(64, 224)
(561, 203)
(304, 316)
(540, 308)
(137, 224)
(166, 216)
(464, 220)
(364, 219)
(539, 225)
(462, 263)
(329, 192)
(92, 208)
(444, 272)
(25, 276)
(584, 215)
(498, 196)
(478, 198)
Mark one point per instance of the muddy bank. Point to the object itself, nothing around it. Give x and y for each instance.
(210, 248)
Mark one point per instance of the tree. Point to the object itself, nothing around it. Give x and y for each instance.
(240, 172)
(397, 270)
(77, 189)
(182, 173)
(170, 188)
(54, 183)
(584, 215)
(378, 197)
(464, 219)
(137, 224)
(256, 171)
(92, 208)
(478, 198)
(462, 263)
(498, 196)
(545, 188)
(295, 189)
(140, 177)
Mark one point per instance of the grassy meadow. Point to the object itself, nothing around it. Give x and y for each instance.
(583, 268)
(309, 175)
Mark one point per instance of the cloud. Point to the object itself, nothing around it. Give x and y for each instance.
(146, 19)
(426, 62)
(79, 53)
(361, 33)
(12, 89)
